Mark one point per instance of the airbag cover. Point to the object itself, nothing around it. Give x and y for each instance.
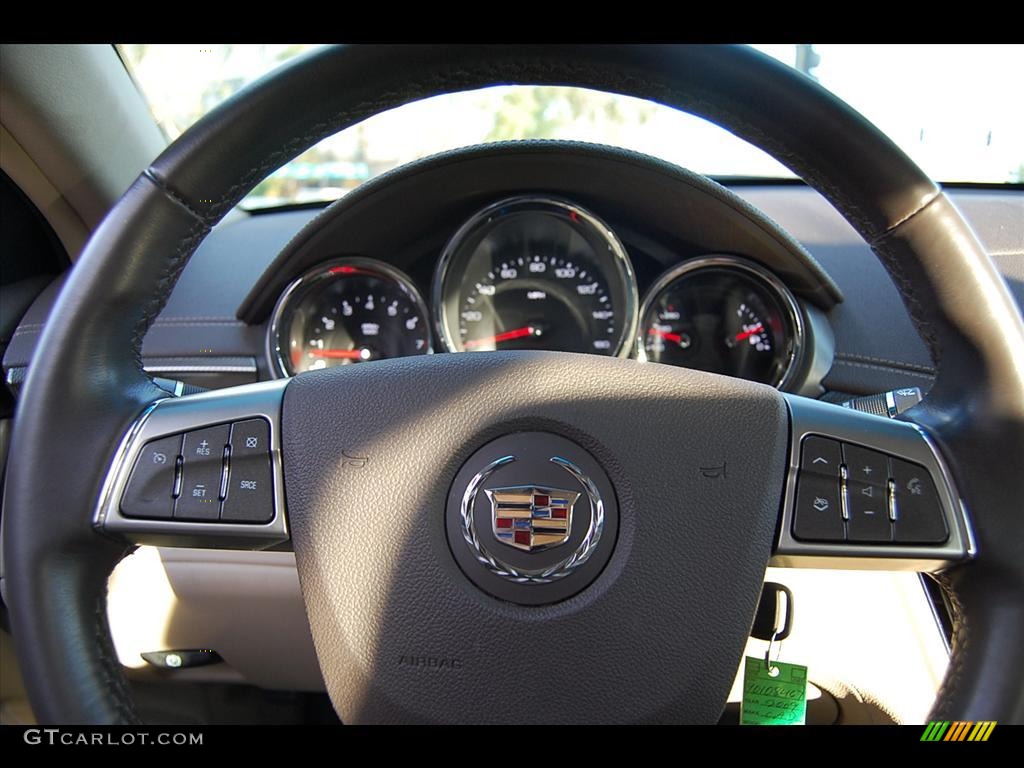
(370, 452)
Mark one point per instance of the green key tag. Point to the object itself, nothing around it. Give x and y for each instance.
(779, 700)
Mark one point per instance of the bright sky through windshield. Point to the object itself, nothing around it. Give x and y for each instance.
(954, 109)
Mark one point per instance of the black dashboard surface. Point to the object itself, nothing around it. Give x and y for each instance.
(199, 336)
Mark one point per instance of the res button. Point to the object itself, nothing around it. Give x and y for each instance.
(203, 454)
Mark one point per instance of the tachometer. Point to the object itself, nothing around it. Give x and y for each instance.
(535, 273)
(348, 311)
(725, 315)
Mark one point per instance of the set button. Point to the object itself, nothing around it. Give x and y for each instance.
(202, 469)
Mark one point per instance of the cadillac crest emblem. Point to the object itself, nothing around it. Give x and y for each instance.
(531, 517)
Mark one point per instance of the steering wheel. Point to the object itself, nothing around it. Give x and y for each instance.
(383, 467)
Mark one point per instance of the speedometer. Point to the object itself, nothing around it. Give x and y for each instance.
(535, 273)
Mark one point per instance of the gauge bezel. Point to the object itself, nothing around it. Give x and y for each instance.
(322, 271)
(620, 260)
(785, 297)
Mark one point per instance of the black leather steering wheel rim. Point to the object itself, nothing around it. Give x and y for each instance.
(80, 397)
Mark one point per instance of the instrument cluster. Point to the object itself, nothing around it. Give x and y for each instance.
(538, 272)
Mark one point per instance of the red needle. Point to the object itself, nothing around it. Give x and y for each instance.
(518, 333)
(340, 354)
(666, 335)
(747, 334)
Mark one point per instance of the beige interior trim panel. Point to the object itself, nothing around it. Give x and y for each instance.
(872, 632)
(246, 606)
(63, 107)
(65, 221)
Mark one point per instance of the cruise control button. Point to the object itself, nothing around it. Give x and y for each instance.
(821, 455)
(250, 488)
(865, 465)
(919, 517)
(818, 515)
(203, 453)
(869, 514)
(151, 487)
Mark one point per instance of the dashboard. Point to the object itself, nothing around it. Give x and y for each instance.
(552, 246)
(538, 272)
(692, 247)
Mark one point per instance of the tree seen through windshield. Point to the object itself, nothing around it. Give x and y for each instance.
(946, 106)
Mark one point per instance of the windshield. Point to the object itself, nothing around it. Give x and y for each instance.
(953, 108)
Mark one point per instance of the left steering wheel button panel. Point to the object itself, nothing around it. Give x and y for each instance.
(221, 484)
(202, 472)
(150, 491)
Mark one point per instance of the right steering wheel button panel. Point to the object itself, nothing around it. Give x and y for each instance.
(870, 498)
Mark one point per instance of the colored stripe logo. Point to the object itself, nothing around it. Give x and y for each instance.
(531, 518)
(959, 730)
